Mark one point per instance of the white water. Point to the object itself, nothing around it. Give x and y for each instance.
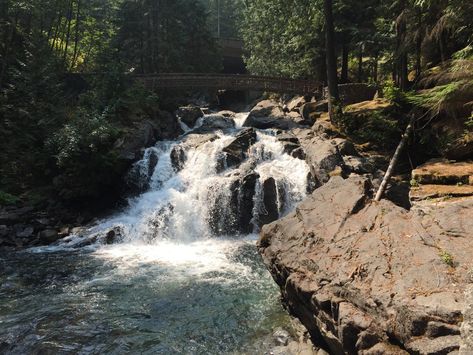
(177, 207)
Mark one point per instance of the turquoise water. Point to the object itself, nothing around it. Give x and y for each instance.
(209, 297)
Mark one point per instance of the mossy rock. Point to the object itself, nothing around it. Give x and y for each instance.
(377, 122)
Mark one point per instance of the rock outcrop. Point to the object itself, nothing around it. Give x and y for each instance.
(235, 151)
(373, 278)
(189, 115)
(163, 125)
(215, 122)
(442, 179)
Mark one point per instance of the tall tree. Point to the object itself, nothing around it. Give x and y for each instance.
(331, 59)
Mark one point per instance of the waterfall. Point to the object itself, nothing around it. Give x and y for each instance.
(191, 193)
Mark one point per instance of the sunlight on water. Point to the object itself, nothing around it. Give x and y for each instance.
(191, 259)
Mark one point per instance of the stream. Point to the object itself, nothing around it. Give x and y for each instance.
(175, 272)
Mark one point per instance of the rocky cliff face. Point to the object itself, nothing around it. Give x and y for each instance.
(373, 278)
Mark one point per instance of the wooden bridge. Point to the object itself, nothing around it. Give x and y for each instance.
(235, 82)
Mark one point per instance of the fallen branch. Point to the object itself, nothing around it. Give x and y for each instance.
(394, 160)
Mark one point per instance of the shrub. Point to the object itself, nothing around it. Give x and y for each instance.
(7, 199)
(84, 156)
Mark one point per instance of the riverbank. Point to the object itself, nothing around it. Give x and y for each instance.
(375, 278)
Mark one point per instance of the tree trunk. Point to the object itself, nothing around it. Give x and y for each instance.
(344, 74)
(76, 39)
(360, 64)
(68, 31)
(330, 57)
(375, 67)
(404, 75)
(394, 160)
(6, 52)
(419, 45)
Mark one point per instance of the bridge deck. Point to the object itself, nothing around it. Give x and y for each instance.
(228, 82)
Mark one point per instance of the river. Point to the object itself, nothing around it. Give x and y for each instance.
(174, 280)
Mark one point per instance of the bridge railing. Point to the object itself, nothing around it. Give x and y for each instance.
(227, 81)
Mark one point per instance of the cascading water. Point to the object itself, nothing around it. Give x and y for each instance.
(182, 274)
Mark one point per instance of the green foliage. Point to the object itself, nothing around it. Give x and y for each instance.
(284, 40)
(231, 13)
(374, 127)
(7, 199)
(85, 161)
(166, 36)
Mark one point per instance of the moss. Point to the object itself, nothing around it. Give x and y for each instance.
(377, 127)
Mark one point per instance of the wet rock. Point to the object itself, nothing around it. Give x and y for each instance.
(160, 125)
(49, 236)
(291, 145)
(64, 231)
(226, 113)
(270, 211)
(77, 230)
(152, 162)
(215, 122)
(178, 158)
(189, 115)
(309, 113)
(113, 235)
(299, 153)
(43, 221)
(194, 140)
(281, 337)
(231, 209)
(373, 278)
(287, 137)
(25, 232)
(245, 202)
(166, 126)
(235, 151)
(223, 209)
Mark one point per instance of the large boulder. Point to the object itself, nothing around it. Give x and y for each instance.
(291, 145)
(270, 211)
(231, 209)
(268, 114)
(215, 122)
(178, 158)
(227, 113)
(295, 103)
(189, 115)
(322, 156)
(166, 126)
(236, 150)
(163, 125)
(373, 278)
